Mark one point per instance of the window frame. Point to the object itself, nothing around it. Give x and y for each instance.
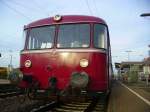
(28, 36)
(56, 32)
(106, 38)
(90, 35)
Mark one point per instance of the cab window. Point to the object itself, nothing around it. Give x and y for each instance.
(41, 37)
(73, 36)
(100, 36)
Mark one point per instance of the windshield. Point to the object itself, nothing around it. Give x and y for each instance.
(74, 36)
(100, 36)
(41, 37)
(69, 36)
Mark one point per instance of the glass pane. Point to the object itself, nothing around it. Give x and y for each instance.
(74, 36)
(100, 36)
(41, 37)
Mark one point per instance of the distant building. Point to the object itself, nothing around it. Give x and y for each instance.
(139, 66)
(132, 66)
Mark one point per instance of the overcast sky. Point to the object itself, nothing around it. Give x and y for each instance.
(128, 31)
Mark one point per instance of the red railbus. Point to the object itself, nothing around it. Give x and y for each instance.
(64, 53)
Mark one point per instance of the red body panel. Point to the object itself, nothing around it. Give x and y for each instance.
(63, 66)
(66, 19)
(61, 63)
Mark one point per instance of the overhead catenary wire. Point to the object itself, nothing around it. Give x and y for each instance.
(16, 11)
(95, 6)
(35, 9)
(88, 6)
(40, 8)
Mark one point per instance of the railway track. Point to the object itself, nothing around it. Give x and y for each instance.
(94, 105)
(8, 90)
(10, 94)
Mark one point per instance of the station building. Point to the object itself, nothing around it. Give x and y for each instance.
(141, 69)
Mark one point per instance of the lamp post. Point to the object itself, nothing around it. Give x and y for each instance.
(10, 63)
(10, 57)
(149, 51)
(146, 15)
(129, 51)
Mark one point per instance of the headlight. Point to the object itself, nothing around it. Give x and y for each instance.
(57, 18)
(84, 62)
(27, 63)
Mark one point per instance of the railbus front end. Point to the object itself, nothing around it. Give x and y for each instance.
(66, 55)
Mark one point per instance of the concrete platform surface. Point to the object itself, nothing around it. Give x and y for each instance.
(123, 100)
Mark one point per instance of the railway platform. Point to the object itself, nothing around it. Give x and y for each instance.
(128, 98)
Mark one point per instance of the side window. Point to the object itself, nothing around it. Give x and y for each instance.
(100, 36)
